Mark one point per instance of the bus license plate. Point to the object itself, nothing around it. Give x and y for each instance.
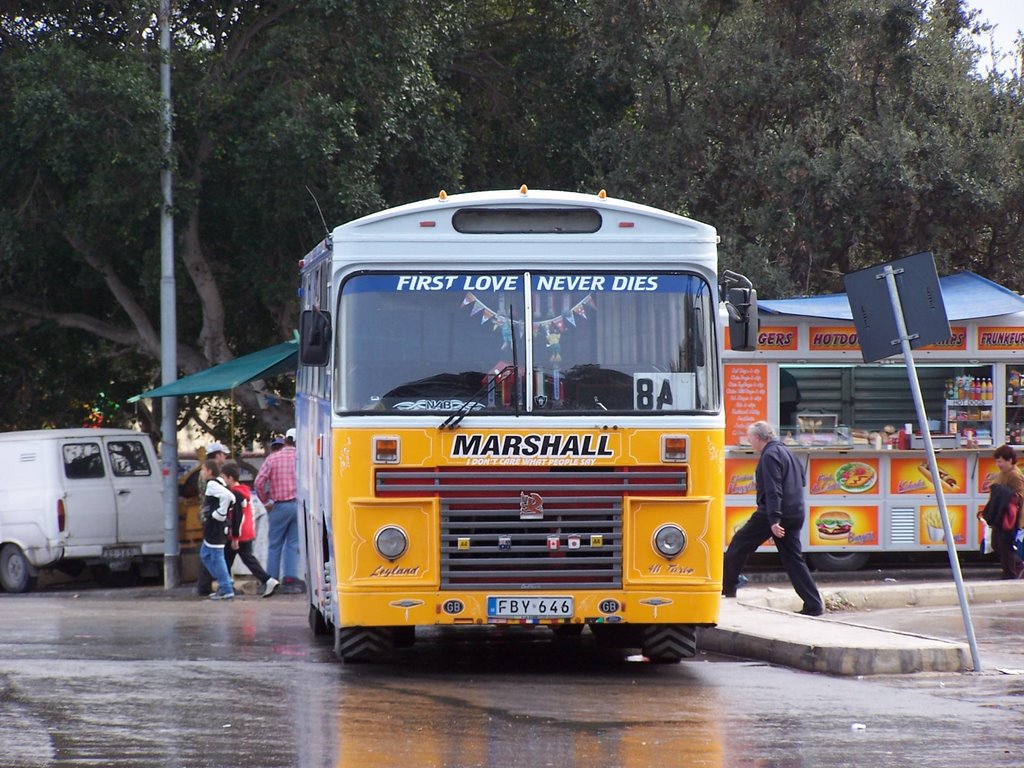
(500, 607)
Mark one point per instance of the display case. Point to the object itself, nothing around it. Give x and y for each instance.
(1015, 404)
(969, 410)
(821, 430)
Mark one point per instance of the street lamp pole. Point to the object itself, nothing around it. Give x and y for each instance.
(168, 317)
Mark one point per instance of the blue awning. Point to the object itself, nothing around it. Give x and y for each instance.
(278, 359)
(967, 296)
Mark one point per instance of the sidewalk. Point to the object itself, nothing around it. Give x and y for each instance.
(761, 624)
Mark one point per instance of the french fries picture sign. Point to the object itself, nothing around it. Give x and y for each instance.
(930, 530)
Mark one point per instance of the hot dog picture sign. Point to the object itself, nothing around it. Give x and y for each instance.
(910, 476)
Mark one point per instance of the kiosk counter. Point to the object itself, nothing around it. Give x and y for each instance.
(854, 425)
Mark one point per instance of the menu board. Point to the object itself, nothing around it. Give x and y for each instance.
(841, 476)
(929, 526)
(746, 400)
(739, 477)
(846, 525)
(913, 476)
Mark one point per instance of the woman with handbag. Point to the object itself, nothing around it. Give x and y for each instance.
(1005, 511)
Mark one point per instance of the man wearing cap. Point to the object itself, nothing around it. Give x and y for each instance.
(217, 452)
(275, 487)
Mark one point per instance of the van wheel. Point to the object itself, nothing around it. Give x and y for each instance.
(16, 573)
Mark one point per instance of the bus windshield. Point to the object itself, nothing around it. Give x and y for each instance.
(526, 342)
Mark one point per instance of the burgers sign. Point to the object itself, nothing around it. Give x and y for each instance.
(843, 526)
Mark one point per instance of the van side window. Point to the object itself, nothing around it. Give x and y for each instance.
(83, 461)
(128, 458)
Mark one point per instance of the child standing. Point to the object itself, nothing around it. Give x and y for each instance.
(214, 514)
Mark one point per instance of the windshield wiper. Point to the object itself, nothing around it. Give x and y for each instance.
(512, 370)
(463, 410)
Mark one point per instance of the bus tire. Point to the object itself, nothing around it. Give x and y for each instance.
(317, 623)
(16, 572)
(839, 561)
(354, 644)
(668, 643)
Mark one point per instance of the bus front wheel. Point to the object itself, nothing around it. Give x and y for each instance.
(669, 643)
(317, 623)
(371, 643)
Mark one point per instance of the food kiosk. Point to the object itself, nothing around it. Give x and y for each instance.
(854, 425)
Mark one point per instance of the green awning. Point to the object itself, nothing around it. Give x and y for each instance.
(281, 358)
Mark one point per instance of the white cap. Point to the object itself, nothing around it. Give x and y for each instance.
(290, 434)
(215, 447)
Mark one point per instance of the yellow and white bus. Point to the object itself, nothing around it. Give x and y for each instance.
(509, 412)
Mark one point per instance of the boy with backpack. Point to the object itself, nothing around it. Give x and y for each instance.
(242, 531)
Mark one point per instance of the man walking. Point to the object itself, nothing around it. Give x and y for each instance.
(780, 514)
(275, 487)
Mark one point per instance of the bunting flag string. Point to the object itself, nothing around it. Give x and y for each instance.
(556, 324)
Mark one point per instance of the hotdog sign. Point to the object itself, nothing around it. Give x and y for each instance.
(913, 476)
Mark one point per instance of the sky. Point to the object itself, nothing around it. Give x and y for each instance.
(1007, 16)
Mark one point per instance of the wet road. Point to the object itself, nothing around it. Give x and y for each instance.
(141, 677)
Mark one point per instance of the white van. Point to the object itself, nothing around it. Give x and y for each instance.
(75, 497)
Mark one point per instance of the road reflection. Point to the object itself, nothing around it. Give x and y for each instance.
(508, 698)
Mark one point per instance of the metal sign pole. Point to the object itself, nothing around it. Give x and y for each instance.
(889, 275)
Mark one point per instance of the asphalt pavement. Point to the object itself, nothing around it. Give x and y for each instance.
(761, 623)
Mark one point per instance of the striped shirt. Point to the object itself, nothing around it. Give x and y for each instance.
(276, 479)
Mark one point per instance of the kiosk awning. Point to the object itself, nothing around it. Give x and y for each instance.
(967, 297)
(281, 358)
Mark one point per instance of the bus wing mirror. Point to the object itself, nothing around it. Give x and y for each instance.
(741, 304)
(314, 337)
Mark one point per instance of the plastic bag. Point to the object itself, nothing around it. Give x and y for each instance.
(986, 543)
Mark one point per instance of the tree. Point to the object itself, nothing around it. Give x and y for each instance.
(819, 137)
(270, 98)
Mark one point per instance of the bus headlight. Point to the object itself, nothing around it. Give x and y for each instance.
(669, 540)
(391, 542)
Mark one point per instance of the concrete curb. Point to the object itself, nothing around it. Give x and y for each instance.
(827, 645)
(762, 624)
(881, 596)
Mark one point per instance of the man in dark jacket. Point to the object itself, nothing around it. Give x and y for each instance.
(780, 514)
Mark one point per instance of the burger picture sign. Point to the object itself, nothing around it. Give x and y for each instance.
(834, 525)
(831, 525)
